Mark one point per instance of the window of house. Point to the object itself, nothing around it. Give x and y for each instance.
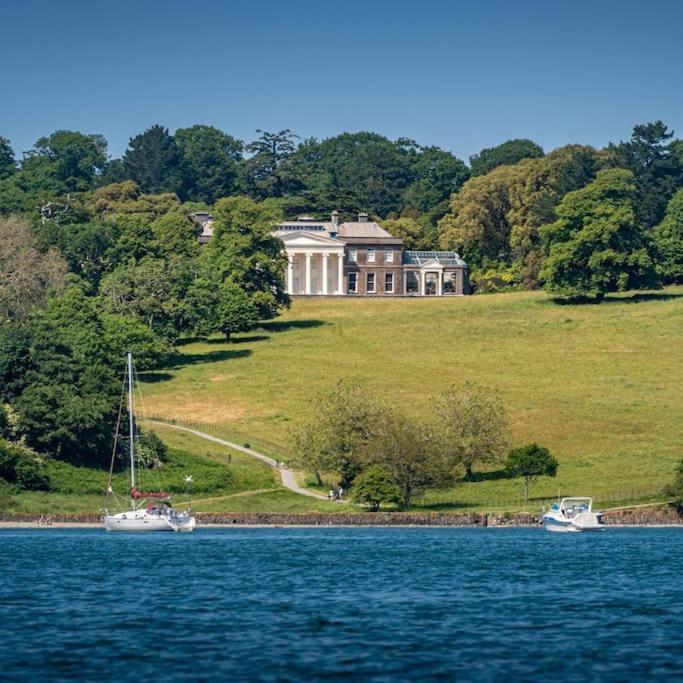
(353, 255)
(389, 256)
(353, 283)
(389, 282)
(371, 283)
(371, 255)
(412, 282)
(449, 282)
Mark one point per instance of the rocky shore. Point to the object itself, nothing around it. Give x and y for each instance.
(654, 515)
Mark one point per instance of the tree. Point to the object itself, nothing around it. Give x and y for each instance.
(244, 251)
(153, 161)
(70, 395)
(410, 230)
(496, 219)
(437, 174)
(658, 170)
(531, 461)
(27, 275)
(123, 334)
(676, 489)
(408, 453)
(596, 245)
(8, 164)
(155, 290)
(236, 311)
(270, 171)
(66, 161)
(358, 171)
(210, 159)
(508, 154)
(668, 239)
(336, 438)
(21, 467)
(473, 425)
(372, 487)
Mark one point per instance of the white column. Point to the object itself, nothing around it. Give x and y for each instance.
(440, 283)
(308, 273)
(290, 273)
(340, 273)
(422, 283)
(325, 274)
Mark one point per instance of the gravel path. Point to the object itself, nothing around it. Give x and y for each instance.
(286, 474)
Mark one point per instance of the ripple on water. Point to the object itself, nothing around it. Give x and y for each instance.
(358, 604)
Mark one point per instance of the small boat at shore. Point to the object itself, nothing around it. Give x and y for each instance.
(150, 511)
(573, 514)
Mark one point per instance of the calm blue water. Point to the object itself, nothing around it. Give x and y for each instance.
(353, 604)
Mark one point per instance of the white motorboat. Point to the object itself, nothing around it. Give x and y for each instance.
(573, 514)
(149, 511)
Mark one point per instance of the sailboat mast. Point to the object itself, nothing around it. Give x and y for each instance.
(131, 423)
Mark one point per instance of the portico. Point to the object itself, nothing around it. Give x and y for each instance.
(316, 264)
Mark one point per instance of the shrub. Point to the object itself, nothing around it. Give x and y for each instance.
(372, 487)
(22, 468)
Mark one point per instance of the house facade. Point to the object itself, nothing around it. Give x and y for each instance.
(359, 258)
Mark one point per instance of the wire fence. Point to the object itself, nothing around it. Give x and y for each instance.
(280, 451)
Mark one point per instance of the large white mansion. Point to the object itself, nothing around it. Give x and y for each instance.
(328, 258)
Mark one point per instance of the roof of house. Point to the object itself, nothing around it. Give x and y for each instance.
(445, 258)
(362, 229)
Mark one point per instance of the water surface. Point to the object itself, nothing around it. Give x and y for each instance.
(332, 604)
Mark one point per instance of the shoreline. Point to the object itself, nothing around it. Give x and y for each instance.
(92, 525)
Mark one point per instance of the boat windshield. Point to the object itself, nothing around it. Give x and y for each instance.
(574, 507)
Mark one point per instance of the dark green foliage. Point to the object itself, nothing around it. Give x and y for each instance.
(153, 161)
(508, 153)
(8, 164)
(15, 360)
(66, 161)
(531, 461)
(235, 310)
(359, 171)
(209, 159)
(124, 333)
(668, 239)
(657, 168)
(22, 468)
(372, 487)
(596, 246)
(436, 175)
(271, 171)
(244, 252)
(71, 387)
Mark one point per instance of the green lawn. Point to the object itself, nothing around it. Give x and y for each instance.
(598, 384)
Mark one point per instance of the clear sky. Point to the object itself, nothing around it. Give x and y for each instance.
(461, 75)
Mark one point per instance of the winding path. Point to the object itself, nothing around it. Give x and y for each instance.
(286, 474)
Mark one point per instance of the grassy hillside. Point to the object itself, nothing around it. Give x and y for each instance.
(598, 384)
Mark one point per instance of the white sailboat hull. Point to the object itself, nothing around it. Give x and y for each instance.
(141, 520)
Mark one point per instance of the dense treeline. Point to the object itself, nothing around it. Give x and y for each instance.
(100, 255)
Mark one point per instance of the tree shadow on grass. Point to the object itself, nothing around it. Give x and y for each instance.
(182, 360)
(496, 475)
(284, 325)
(637, 298)
(240, 340)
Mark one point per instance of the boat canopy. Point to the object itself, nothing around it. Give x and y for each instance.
(138, 495)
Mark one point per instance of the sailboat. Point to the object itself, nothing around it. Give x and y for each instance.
(149, 511)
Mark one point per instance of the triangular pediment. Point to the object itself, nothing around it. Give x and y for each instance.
(309, 239)
(432, 263)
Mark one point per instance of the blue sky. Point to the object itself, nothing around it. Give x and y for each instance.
(461, 75)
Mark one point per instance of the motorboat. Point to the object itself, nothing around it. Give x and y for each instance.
(573, 514)
(149, 511)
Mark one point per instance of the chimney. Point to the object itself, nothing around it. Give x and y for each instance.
(363, 217)
(335, 218)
